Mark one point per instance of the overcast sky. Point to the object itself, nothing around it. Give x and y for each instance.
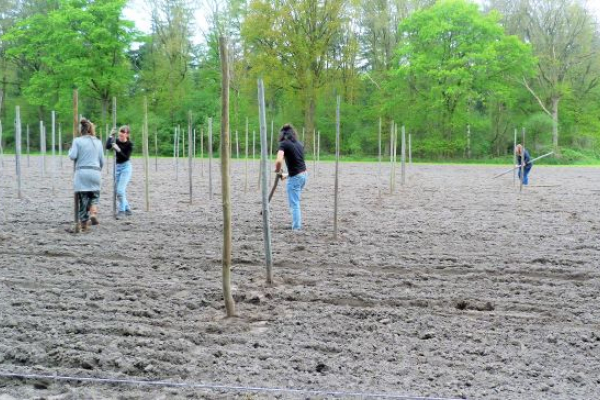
(139, 12)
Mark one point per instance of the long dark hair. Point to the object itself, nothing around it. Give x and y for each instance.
(87, 127)
(287, 132)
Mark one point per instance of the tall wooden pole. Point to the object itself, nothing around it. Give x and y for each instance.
(18, 150)
(226, 196)
(337, 162)
(60, 145)
(271, 150)
(392, 158)
(379, 150)
(1, 147)
(202, 152)
(253, 145)
(146, 156)
(114, 127)
(515, 158)
(264, 158)
(237, 145)
(318, 149)
(315, 153)
(403, 157)
(43, 147)
(469, 141)
(190, 154)
(522, 160)
(210, 155)
(156, 149)
(53, 145)
(246, 166)
(177, 140)
(409, 150)
(75, 134)
(28, 147)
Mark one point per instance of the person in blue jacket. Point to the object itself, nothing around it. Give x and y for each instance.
(523, 160)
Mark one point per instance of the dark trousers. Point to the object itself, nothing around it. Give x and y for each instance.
(86, 200)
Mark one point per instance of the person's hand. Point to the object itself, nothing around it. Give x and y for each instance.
(116, 147)
(113, 132)
(284, 176)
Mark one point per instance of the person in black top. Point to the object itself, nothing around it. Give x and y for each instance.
(292, 151)
(123, 148)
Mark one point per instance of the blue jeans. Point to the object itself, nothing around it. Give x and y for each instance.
(124, 171)
(295, 184)
(525, 174)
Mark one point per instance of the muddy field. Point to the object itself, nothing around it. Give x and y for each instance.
(456, 286)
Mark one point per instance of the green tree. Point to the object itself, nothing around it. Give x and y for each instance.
(78, 43)
(292, 39)
(451, 58)
(564, 39)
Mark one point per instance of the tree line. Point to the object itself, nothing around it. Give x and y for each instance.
(460, 76)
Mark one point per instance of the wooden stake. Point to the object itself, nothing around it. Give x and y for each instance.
(1, 148)
(28, 165)
(392, 160)
(403, 157)
(146, 156)
(409, 150)
(264, 158)
(226, 196)
(246, 168)
(53, 145)
(156, 149)
(522, 160)
(18, 150)
(43, 148)
(210, 154)
(75, 134)
(190, 154)
(318, 150)
(337, 173)
(379, 150)
(515, 159)
(60, 145)
(202, 152)
(114, 127)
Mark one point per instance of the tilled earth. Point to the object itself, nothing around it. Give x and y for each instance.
(457, 286)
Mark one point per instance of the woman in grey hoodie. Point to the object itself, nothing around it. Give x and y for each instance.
(87, 152)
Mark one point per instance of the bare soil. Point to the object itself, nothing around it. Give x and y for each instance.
(457, 286)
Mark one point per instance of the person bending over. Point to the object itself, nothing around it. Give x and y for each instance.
(523, 160)
(292, 151)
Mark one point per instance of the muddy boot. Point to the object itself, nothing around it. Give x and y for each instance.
(94, 215)
(84, 226)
